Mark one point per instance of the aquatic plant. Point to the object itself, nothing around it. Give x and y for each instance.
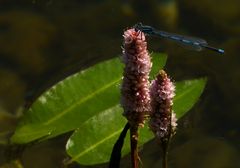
(88, 103)
(135, 85)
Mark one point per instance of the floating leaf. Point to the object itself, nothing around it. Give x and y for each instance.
(187, 94)
(73, 101)
(93, 141)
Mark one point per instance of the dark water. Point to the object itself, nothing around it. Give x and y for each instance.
(43, 41)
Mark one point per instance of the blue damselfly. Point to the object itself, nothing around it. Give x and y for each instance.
(193, 42)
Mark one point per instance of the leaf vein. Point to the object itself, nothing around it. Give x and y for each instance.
(95, 145)
(80, 102)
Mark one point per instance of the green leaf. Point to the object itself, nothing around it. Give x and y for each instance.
(93, 141)
(159, 61)
(187, 94)
(73, 101)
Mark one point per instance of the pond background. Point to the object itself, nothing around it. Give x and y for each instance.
(43, 41)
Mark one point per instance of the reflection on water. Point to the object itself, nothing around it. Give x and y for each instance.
(44, 41)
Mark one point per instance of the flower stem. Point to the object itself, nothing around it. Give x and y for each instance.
(165, 145)
(134, 146)
(164, 161)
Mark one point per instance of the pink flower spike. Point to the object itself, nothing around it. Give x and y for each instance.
(135, 87)
(163, 119)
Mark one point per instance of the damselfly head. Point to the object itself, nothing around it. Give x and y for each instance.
(142, 28)
(137, 26)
